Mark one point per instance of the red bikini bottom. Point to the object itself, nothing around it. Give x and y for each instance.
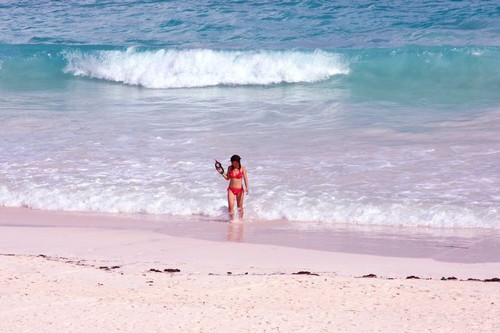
(235, 191)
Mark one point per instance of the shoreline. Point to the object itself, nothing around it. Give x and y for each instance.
(145, 238)
(446, 245)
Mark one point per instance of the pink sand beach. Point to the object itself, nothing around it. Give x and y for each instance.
(75, 272)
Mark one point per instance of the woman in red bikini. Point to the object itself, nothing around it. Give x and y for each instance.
(235, 174)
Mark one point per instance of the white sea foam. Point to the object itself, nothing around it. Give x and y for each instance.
(324, 211)
(202, 67)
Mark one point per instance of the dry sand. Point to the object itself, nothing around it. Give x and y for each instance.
(87, 273)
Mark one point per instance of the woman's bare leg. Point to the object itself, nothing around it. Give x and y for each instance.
(239, 201)
(230, 204)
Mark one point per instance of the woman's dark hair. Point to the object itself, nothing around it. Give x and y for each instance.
(237, 159)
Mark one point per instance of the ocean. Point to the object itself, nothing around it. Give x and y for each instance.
(344, 112)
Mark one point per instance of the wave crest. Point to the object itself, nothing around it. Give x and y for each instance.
(202, 67)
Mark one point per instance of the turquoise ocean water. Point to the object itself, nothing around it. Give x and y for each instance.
(359, 112)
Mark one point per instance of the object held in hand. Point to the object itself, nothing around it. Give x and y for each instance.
(219, 167)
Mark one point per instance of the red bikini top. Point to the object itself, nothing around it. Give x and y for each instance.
(238, 176)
